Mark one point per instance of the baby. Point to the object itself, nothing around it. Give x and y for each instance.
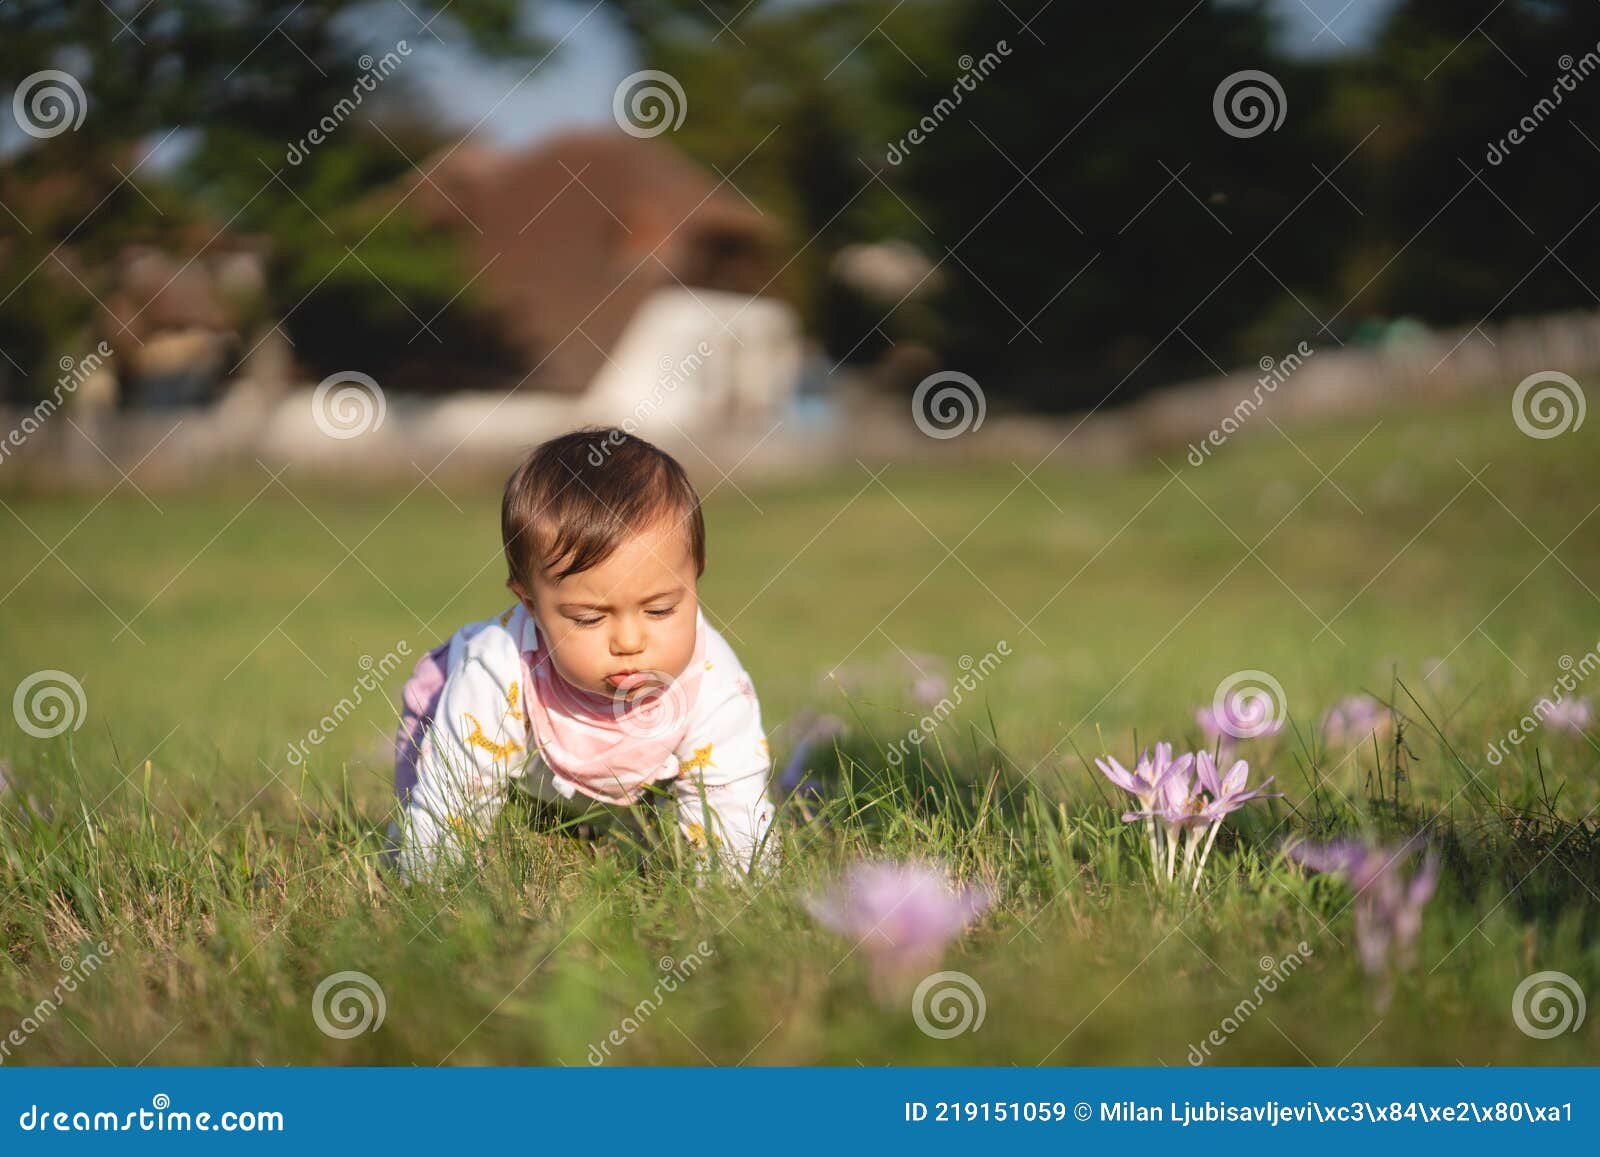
(603, 685)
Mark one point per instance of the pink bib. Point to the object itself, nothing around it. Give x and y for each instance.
(609, 747)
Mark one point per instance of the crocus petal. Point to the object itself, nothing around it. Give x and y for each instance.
(1117, 774)
(1233, 782)
(897, 911)
(1339, 856)
(1422, 885)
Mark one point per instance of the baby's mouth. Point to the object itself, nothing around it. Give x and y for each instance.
(628, 680)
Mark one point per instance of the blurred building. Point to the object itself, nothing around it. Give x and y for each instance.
(179, 325)
(611, 280)
(618, 267)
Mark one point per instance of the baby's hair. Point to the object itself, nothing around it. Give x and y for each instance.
(574, 499)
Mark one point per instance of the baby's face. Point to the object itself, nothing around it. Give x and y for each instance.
(635, 612)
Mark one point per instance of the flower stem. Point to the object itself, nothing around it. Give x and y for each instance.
(1211, 838)
(1155, 851)
(1191, 845)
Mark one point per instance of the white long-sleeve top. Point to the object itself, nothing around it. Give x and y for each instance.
(478, 743)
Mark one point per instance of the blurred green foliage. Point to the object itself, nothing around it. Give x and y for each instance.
(231, 881)
(355, 275)
(1095, 232)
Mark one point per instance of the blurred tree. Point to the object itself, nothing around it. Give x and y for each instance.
(1103, 231)
(791, 103)
(1054, 143)
(1096, 228)
(246, 81)
(1464, 223)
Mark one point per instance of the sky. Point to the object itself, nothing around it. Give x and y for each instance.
(574, 86)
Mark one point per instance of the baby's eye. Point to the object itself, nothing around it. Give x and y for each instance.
(590, 622)
(661, 614)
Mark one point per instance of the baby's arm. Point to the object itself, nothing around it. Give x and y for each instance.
(721, 787)
(477, 740)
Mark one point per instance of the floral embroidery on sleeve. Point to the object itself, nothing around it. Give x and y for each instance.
(478, 739)
(697, 835)
(514, 701)
(697, 762)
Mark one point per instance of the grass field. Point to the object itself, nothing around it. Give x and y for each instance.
(211, 630)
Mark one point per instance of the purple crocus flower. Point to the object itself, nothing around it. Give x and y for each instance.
(1219, 736)
(1354, 719)
(1227, 790)
(1406, 906)
(1388, 905)
(1569, 714)
(1176, 803)
(1238, 717)
(1352, 857)
(1189, 796)
(929, 690)
(1145, 780)
(929, 677)
(901, 915)
(1192, 807)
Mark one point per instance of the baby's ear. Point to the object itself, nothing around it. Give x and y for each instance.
(516, 588)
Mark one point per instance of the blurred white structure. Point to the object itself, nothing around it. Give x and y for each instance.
(691, 357)
(690, 363)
